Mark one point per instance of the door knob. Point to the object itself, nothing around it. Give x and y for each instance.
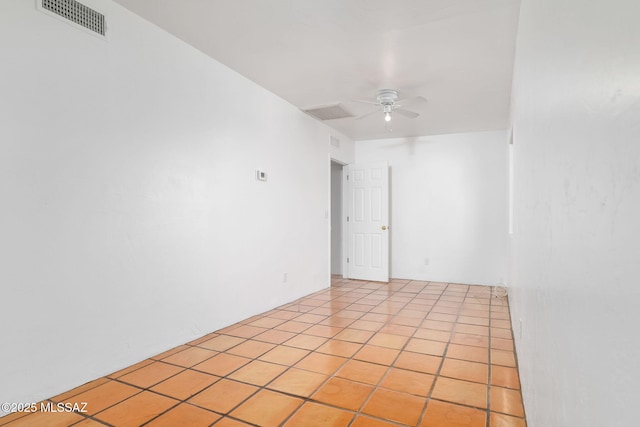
(384, 227)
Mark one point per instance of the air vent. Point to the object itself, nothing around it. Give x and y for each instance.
(330, 112)
(76, 13)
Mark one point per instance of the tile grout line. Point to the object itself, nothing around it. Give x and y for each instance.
(289, 366)
(348, 359)
(358, 412)
(362, 291)
(515, 357)
(333, 375)
(264, 387)
(435, 375)
(185, 401)
(461, 304)
(444, 355)
(490, 371)
(391, 364)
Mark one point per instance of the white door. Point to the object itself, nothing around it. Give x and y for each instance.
(367, 221)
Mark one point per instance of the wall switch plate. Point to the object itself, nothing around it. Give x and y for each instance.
(261, 175)
(520, 328)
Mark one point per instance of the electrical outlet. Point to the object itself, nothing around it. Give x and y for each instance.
(284, 278)
(426, 261)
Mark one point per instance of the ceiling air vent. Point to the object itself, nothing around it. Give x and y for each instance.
(76, 13)
(330, 112)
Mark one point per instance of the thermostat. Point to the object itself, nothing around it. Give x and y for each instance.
(261, 175)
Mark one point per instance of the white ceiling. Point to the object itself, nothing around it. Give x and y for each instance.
(458, 54)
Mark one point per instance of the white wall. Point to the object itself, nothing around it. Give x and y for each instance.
(130, 217)
(344, 152)
(576, 244)
(448, 204)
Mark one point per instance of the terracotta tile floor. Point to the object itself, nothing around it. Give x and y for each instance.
(404, 353)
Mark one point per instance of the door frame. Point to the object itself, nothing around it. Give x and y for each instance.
(343, 246)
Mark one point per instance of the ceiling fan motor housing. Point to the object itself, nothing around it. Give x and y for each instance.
(387, 96)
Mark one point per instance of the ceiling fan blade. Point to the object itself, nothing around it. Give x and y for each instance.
(409, 101)
(368, 114)
(407, 113)
(365, 101)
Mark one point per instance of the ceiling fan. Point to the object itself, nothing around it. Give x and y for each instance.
(388, 103)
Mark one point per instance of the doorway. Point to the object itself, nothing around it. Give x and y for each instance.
(336, 219)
